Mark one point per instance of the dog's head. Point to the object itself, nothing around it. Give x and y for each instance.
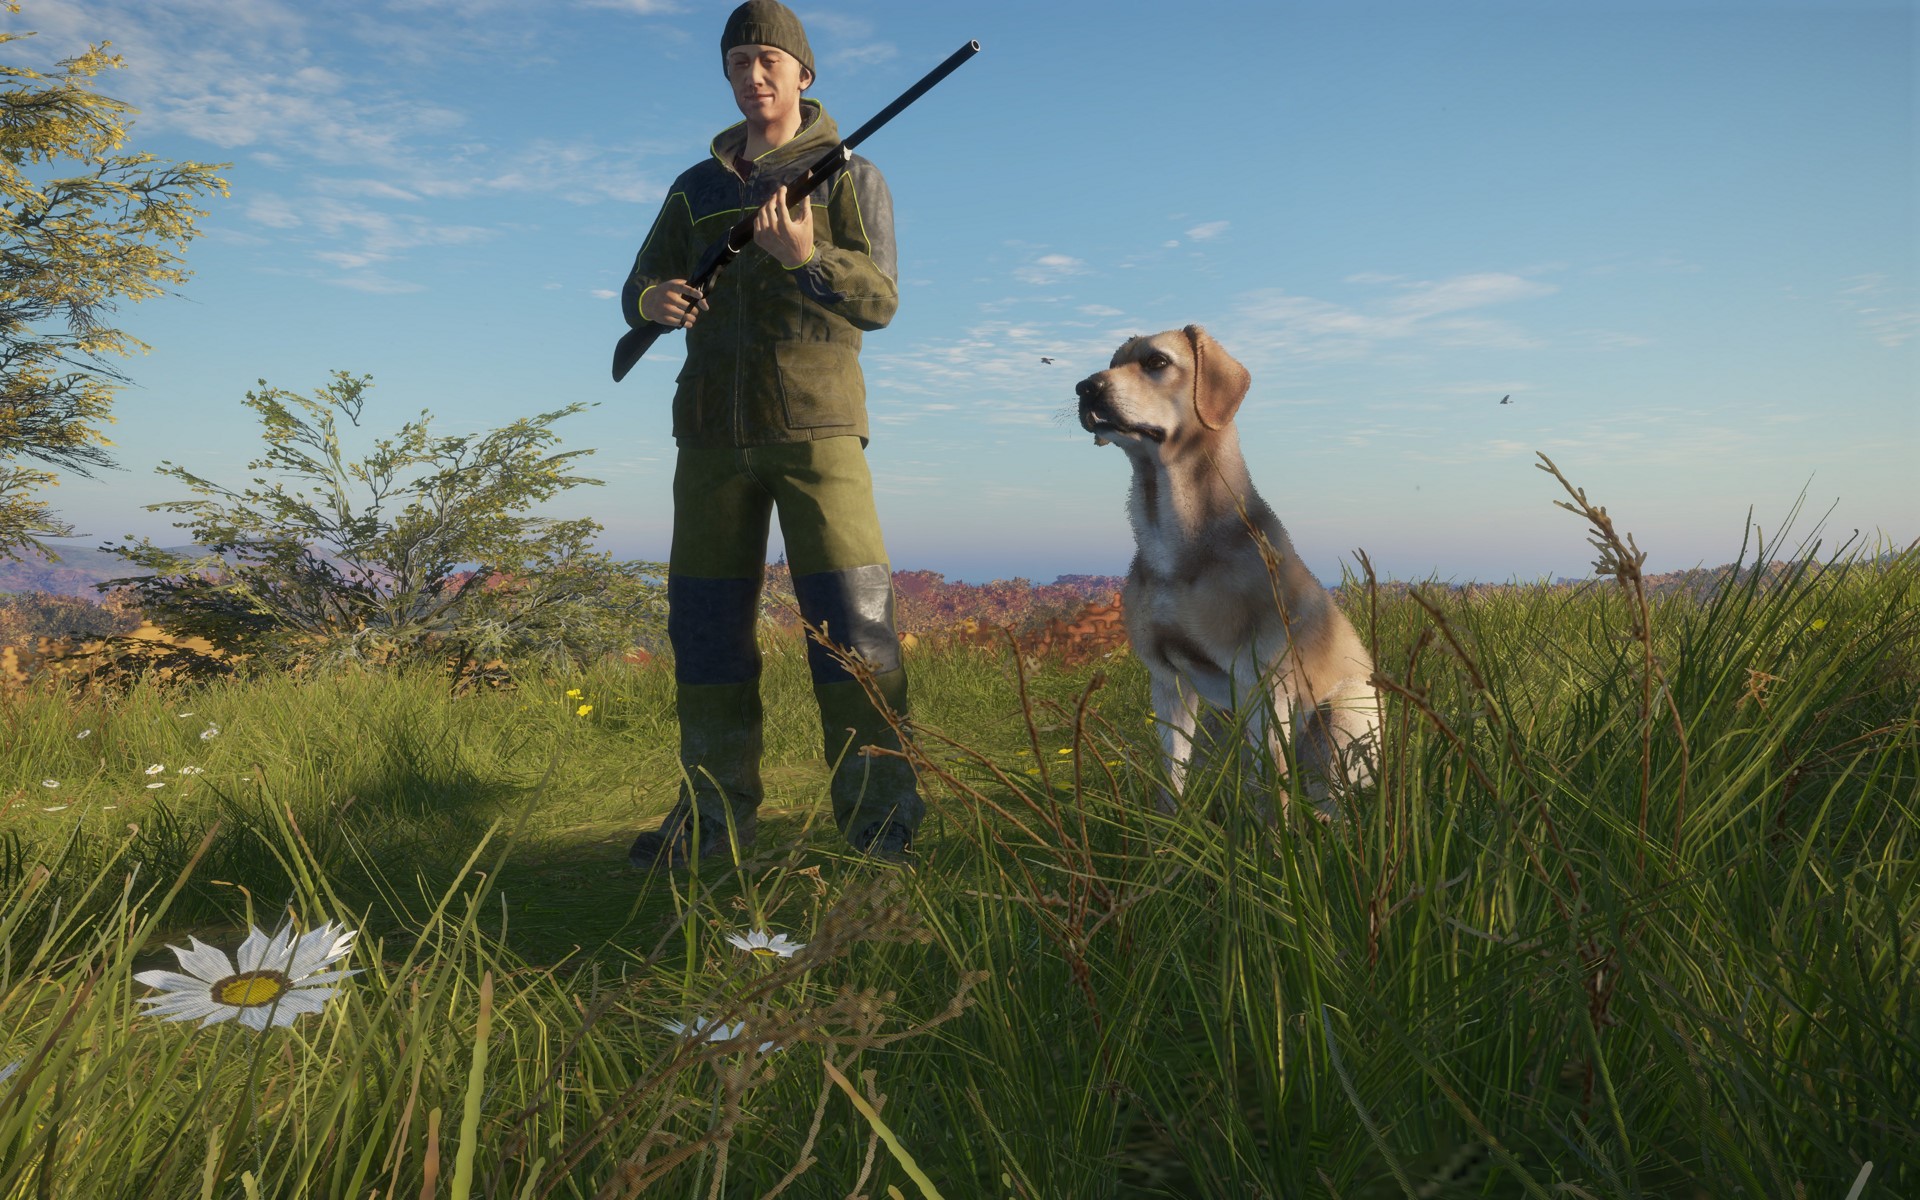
(1163, 391)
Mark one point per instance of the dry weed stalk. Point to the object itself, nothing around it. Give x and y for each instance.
(1596, 959)
(1622, 560)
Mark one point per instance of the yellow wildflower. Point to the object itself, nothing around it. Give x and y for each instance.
(583, 710)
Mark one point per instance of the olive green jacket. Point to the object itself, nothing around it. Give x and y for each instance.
(775, 357)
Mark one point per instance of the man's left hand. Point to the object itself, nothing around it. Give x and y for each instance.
(788, 238)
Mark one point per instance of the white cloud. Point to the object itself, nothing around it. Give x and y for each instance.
(603, 293)
(353, 163)
(245, 74)
(843, 41)
(1613, 339)
(379, 285)
(1891, 328)
(1423, 312)
(372, 235)
(581, 171)
(1050, 268)
(272, 211)
(1878, 305)
(994, 368)
(642, 8)
(1425, 299)
(348, 261)
(866, 55)
(267, 78)
(1212, 229)
(375, 188)
(836, 25)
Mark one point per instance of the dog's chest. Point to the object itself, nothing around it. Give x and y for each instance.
(1184, 628)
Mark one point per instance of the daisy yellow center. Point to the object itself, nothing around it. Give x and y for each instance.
(766, 952)
(251, 990)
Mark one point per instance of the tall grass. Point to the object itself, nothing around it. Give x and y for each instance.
(1632, 912)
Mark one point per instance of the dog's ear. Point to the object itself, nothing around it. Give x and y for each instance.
(1220, 383)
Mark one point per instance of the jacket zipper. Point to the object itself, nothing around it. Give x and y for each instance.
(739, 350)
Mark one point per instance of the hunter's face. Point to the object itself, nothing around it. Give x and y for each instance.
(766, 82)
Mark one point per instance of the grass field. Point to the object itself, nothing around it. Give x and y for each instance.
(1634, 912)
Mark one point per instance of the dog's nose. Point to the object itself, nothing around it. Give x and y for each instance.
(1091, 388)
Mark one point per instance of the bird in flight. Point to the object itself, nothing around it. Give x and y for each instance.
(1045, 359)
(1507, 399)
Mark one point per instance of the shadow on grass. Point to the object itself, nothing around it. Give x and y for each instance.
(574, 899)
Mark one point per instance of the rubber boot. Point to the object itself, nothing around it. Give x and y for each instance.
(867, 791)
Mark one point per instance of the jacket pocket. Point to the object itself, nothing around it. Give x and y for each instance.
(686, 404)
(820, 384)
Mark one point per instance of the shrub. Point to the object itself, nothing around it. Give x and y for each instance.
(443, 567)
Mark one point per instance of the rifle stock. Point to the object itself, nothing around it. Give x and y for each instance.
(632, 344)
(636, 341)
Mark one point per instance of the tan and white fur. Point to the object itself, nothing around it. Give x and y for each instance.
(1217, 604)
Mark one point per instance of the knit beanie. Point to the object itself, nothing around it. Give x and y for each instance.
(766, 23)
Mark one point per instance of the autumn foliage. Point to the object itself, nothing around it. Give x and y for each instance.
(1073, 619)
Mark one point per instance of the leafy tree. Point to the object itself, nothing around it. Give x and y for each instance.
(82, 226)
(298, 577)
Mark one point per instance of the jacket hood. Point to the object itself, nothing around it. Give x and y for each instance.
(817, 135)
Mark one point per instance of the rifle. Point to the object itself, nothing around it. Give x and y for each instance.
(635, 341)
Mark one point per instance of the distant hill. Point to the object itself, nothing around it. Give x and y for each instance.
(928, 595)
(81, 566)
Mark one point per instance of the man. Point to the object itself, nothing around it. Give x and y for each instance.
(770, 413)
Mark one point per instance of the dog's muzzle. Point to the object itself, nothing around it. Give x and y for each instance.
(1097, 416)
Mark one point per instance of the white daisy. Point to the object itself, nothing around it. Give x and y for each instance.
(84, 733)
(50, 783)
(211, 731)
(715, 1033)
(156, 768)
(278, 978)
(152, 786)
(184, 714)
(760, 945)
(192, 771)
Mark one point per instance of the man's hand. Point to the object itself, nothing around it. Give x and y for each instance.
(676, 303)
(788, 238)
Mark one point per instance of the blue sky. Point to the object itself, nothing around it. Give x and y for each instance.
(1681, 235)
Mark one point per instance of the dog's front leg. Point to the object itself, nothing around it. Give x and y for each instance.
(1343, 736)
(1176, 708)
(1269, 716)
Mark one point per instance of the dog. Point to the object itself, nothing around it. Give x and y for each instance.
(1217, 604)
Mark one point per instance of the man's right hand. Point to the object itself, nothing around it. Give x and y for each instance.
(676, 303)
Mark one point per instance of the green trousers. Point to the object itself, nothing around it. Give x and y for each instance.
(722, 501)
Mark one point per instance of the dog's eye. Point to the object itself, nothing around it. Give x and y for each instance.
(1156, 361)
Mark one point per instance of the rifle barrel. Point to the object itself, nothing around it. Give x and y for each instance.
(913, 93)
(635, 341)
